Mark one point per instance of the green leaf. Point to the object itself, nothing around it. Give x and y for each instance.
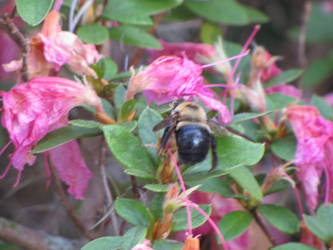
(235, 151)
(278, 101)
(135, 20)
(63, 135)
(167, 245)
(234, 224)
(321, 225)
(148, 119)
(284, 77)
(93, 33)
(157, 187)
(33, 11)
(210, 32)
(134, 36)
(126, 110)
(156, 205)
(132, 237)
(241, 117)
(108, 108)
(85, 123)
(285, 148)
(226, 12)
(274, 214)
(127, 149)
(246, 180)
(106, 68)
(120, 10)
(109, 242)
(133, 212)
(318, 71)
(214, 185)
(179, 218)
(324, 107)
(119, 96)
(255, 16)
(293, 246)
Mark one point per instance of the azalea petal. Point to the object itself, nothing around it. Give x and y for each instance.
(71, 168)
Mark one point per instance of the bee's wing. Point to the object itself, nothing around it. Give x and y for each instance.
(222, 129)
(168, 121)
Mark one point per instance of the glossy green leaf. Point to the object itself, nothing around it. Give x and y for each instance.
(167, 245)
(148, 119)
(274, 214)
(63, 135)
(93, 33)
(125, 110)
(210, 32)
(134, 36)
(226, 12)
(108, 108)
(284, 77)
(108, 242)
(134, 20)
(156, 205)
(234, 224)
(246, 180)
(285, 148)
(133, 211)
(120, 10)
(132, 237)
(293, 246)
(33, 11)
(127, 149)
(324, 107)
(179, 218)
(321, 224)
(234, 151)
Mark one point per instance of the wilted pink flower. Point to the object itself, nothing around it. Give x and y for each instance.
(285, 89)
(197, 52)
(314, 151)
(32, 109)
(220, 207)
(52, 48)
(144, 245)
(171, 78)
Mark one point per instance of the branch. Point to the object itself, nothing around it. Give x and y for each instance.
(68, 207)
(7, 24)
(301, 58)
(27, 238)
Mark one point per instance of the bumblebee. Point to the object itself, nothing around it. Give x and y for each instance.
(188, 121)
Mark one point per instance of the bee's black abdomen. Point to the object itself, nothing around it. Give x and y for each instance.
(193, 143)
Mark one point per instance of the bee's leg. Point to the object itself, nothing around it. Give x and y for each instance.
(166, 136)
(214, 154)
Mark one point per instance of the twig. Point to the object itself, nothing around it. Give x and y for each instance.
(139, 52)
(262, 226)
(28, 238)
(301, 58)
(7, 24)
(108, 193)
(68, 207)
(135, 191)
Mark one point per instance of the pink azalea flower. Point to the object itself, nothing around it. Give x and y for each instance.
(171, 78)
(31, 110)
(199, 53)
(329, 98)
(52, 48)
(220, 207)
(314, 151)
